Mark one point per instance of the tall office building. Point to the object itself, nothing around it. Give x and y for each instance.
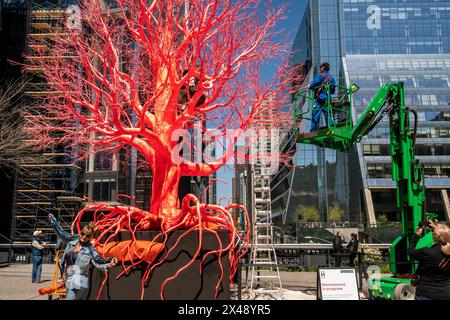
(14, 16)
(407, 41)
(370, 43)
(317, 181)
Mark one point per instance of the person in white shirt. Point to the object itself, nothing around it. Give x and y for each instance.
(37, 252)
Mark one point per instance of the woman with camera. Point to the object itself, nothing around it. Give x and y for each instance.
(434, 265)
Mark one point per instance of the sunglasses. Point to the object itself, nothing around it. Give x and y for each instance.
(85, 234)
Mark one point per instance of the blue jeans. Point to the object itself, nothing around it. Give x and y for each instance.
(316, 114)
(77, 294)
(37, 268)
(421, 298)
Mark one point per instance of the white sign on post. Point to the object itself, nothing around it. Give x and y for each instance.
(337, 284)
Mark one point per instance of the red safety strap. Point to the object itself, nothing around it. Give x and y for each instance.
(325, 80)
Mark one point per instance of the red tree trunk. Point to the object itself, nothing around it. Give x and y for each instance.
(166, 178)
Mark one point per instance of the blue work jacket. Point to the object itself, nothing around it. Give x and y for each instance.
(318, 85)
(77, 275)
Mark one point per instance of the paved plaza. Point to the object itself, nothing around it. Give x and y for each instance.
(15, 284)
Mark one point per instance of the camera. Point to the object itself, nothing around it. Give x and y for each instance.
(423, 224)
(426, 224)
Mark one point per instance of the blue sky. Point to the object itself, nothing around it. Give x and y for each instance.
(288, 26)
(293, 14)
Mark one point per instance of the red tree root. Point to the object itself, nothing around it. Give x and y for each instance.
(193, 216)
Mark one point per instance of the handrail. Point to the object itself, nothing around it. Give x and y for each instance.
(5, 237)
(306, 97)
(325, 246)
(9, 246)
(286, 246)
(24, 245)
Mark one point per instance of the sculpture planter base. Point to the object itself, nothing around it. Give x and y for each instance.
(189, 285)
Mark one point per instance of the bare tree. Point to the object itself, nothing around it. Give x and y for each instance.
(14, 141)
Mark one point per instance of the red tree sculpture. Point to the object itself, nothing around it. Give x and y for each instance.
(137, 74)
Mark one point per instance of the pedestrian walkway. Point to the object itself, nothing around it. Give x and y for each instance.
(296, 286)
(15, 284)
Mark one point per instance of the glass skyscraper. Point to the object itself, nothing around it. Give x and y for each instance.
(408, 41)
(371, 42)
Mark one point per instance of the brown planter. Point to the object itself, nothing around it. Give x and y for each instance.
(190, 284)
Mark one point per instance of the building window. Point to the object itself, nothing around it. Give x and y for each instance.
(104, 190)
(437, 171)
(432, 171)
(443, 132)
(432, 150)
(371, 150)
(379, 171)
(446, 171)
(280, 189)
(103, 161)
(375, 171)
(376, 150)
(433, 133)
(434, 202)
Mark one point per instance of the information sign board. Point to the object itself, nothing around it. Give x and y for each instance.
(337, 284)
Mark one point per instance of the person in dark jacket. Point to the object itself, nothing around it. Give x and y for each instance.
(321, 96)
(60, 247)
(337, 249)
(434, 266)
(352, 248)
(37, 252)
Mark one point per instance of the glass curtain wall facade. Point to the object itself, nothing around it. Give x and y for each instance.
(408, 41)
(285, 211)
(331, 166)
(370, 42)
(319, 180)
(427, 92)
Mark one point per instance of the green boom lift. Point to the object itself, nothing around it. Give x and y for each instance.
(407, 172)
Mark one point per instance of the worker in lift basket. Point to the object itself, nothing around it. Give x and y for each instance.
(319, 86)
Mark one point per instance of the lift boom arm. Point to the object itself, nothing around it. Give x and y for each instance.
(407, 172)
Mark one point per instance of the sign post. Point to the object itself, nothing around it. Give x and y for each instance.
(337, 284)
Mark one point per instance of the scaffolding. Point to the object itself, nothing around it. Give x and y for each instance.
(47, 183)
(42, 187)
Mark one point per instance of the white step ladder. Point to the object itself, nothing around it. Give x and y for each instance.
(265, 274)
